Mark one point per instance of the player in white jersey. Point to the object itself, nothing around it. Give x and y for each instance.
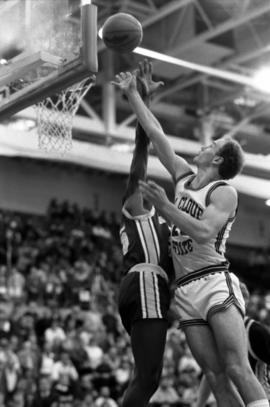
(258, 336)
(208, 296)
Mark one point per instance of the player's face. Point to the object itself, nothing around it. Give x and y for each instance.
(208, 153)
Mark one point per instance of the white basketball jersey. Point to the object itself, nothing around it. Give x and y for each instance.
(188, 255)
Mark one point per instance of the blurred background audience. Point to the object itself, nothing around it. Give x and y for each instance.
(61, 340)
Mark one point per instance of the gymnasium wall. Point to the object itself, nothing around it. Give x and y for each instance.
(28, 185)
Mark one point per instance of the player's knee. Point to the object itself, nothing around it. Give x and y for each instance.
(235, 369)
(212, 377)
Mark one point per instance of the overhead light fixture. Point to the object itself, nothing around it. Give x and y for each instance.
(22, 124)
(208, 70)
(245, 101)
(262, 79)
(122, 147)
(267, 202)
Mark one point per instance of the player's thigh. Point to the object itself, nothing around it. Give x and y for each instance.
(230, 335)
(203, 347)
(148, 338)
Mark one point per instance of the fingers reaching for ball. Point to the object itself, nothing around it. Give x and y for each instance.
(126, 81)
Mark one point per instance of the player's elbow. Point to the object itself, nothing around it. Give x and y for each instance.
(154, 133)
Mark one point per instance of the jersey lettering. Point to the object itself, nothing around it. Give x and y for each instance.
(182, 248)
(191, 207)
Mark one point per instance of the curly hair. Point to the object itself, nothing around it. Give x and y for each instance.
(233, 159)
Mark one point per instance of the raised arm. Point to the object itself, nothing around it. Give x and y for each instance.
(174, 164)
(133, 199)
(138, 168)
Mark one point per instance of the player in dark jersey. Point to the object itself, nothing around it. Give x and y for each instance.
(144, 296)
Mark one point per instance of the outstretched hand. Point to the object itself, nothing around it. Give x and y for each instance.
(125, 81)
(154, 194)
(144, 76)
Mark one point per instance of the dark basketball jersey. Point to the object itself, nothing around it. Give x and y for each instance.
(145, 239)
(259, 351)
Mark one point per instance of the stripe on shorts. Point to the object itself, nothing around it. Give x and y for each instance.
(143, 242)
(149, 241)
(142, 294)
(155, 238)
(157, 297)
(190, 322)
(150, 298)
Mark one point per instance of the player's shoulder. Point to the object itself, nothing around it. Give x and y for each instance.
(223, 195)
(131, 214)
(224, 190)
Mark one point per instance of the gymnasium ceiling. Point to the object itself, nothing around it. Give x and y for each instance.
(232, 35)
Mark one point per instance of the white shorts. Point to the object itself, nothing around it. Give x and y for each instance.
(195, 301)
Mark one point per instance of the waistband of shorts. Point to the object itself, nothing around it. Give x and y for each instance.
(148, 267)
(205, 271)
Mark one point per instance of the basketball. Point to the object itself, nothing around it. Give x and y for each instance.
(122, 33)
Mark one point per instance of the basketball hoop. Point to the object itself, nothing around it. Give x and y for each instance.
(55, 117)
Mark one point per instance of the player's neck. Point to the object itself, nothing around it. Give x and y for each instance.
(204, 176)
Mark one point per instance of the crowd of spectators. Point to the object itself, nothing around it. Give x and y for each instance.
(61, 341)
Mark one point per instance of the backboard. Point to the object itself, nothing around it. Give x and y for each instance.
(45, 46)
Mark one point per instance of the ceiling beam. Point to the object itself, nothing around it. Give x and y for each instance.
(190, 81)
(221, 28)
(260, 110)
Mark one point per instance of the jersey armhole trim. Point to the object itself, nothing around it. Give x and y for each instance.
(181, 177)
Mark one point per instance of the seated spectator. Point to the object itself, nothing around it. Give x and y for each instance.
(187, 388)
(79, 355)
(10, 377)
(25, 326)
(63, 392)
(3, 284)
(86, 387)
(94, 351)
(55, 334)
(122, 375)
(53, 289)
(104, 399)
(47, 360)
(5, 324)
(43, 396)
(35, 285)
(28, 357)
(110, 320)
(166, 393)
(187, 362)
(64, 366)
(15, 285)
(104, 375)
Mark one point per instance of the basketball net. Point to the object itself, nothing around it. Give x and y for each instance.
(55, 117)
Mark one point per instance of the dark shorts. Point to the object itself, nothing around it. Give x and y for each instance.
(143, 295)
